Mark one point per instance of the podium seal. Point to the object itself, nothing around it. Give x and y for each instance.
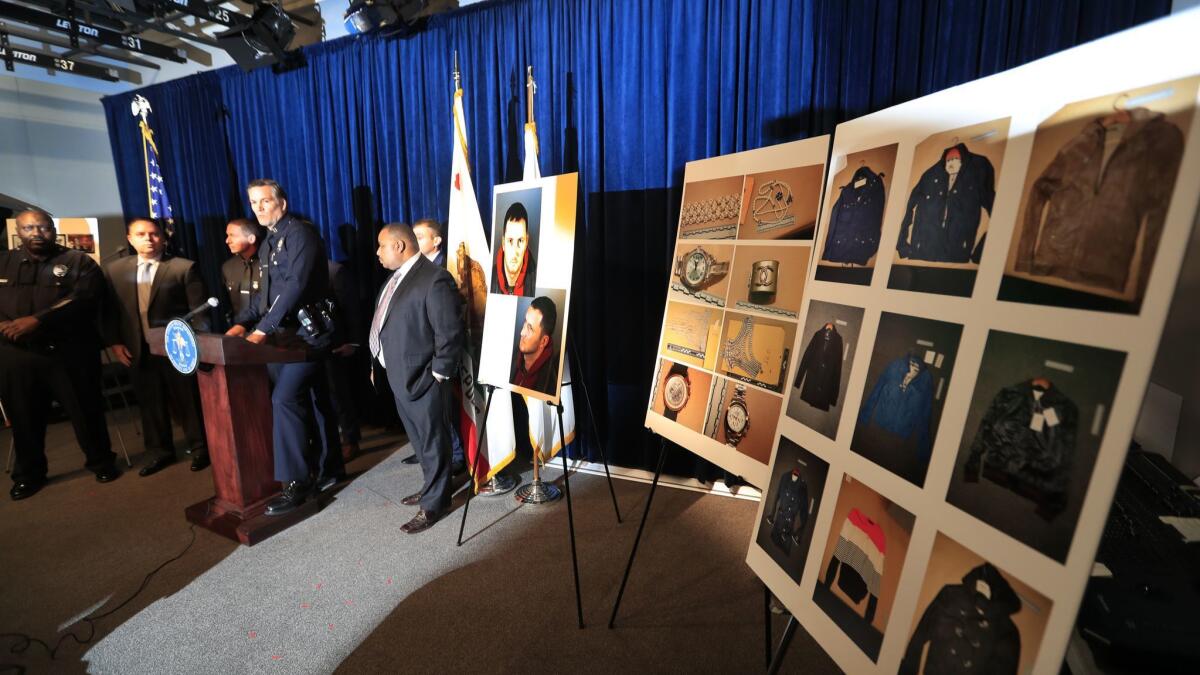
(181, 346)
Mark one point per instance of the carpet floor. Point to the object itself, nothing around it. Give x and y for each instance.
(346, 591)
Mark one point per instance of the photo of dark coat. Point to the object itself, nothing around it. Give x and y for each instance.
(943, 221)
(820, 369)
(900, 409)
(790, 514)
(856, 219)
(968, 631)
(1008, 451)
(1084, 215)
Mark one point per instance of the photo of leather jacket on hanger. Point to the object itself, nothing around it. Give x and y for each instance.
(1033, 431)
(952, 189)
(1101, 179)
(823, 369)
(791, 504)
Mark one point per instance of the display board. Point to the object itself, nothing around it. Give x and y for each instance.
(81, 234)
(737, 284)
(528, 301)
(992, 277)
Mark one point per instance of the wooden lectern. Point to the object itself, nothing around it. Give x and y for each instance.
(236, 396)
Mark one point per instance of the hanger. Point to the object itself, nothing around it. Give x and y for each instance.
(828, 325)
(1041, 382)
(1119, 115)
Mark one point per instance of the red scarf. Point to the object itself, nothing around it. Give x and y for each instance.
(528, 378)
(502, 280)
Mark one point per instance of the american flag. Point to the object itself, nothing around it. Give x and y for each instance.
(160, 204)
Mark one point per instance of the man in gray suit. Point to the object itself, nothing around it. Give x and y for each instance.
(146, 291)
(417, 336)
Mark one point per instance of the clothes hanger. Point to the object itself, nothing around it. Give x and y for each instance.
(1119, 115)
(1041, 382)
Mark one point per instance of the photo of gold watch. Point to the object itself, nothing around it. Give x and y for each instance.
(677, 390)
(737, 417)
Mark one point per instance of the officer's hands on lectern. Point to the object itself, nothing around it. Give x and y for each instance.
(236, 331)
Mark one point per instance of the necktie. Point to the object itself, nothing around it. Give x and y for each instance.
(144, 281)
(381, 309)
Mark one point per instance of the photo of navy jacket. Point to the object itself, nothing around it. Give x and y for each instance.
(856, 219)
(820, 369)
(943, 220)
(791, 511)
(903, 410)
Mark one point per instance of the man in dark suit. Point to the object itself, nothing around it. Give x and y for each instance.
(294, 279)
(417, 336)
(145, 291)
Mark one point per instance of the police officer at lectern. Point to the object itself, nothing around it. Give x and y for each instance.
(50, 348)
(292, 310)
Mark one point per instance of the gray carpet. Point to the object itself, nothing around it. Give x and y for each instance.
(304, 599)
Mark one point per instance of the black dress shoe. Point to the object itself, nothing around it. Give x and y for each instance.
(156, 466)
(411, 459)
(411, 500)
(420, 522)
(327, 483)
(200, 461)
(25, 489)
(294, 494)
(108, 474)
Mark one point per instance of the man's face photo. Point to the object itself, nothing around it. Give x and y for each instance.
(515, 243)
(533, 335)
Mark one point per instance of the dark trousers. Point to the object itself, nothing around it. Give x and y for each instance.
(299, 402)
(344, 377)
(156, 382)
(70, 375)
(425, 422)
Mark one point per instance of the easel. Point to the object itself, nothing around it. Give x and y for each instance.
(774, 658)
(491, 390)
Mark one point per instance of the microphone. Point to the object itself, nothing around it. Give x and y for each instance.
(211, 302)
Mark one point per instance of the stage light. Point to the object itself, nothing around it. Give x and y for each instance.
(262, 40)
(364, 16)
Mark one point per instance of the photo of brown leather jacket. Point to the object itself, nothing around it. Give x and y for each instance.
(1085, 212)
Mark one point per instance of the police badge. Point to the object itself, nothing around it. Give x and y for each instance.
(60, 271)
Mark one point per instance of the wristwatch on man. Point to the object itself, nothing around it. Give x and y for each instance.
(677, 389)
(737, 417)
(698, 268)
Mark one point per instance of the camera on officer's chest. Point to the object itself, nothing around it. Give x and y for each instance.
(317, 318)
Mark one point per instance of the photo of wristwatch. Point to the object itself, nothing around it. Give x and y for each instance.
(677, 389)
(737, 417)
(764, 281)
(698, 268)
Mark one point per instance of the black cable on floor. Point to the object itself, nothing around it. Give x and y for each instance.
(24, 642)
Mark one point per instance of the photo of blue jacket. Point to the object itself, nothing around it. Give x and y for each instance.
(943, 221)
(903, 410)
(856, 219)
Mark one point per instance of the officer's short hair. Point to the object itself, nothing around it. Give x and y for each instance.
(549, 314)
(401, 231)
(143, 219)
(42, 213)
(431, 224)
(250, 227)
(271, 183)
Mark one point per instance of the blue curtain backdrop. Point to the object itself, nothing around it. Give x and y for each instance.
(628, 92)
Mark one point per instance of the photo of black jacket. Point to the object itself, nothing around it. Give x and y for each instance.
(969, 628)
(1032, 463)
(790, 514)
(942, 221)
(820, 369)
(1084, 215)
(856, 219)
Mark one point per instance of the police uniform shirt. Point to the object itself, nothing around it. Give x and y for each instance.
(62, 292)
(294, 274)
(241, 278)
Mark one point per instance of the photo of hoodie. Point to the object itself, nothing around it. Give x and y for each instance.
(971, 617)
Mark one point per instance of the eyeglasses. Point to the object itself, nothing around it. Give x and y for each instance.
(30, 229)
